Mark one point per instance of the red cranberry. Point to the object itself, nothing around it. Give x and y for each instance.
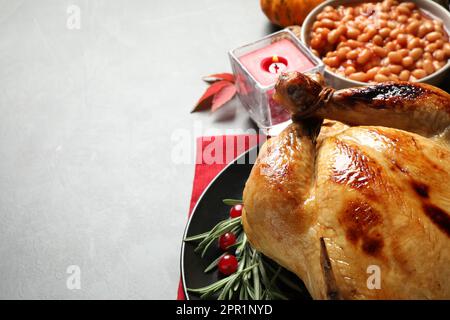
(226, 240)
(228, 264)
(236, 210)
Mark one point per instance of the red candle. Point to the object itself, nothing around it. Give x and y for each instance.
(258, 65)
(267, 63)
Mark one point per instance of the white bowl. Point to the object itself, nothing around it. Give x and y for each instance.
(340, 82)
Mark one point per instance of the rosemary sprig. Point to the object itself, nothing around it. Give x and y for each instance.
(208, 238)
(231, 202)
(255, 279)
(213, 264)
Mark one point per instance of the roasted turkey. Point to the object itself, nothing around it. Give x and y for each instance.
(369, 186)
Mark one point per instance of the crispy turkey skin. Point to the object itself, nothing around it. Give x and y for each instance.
(374, 189)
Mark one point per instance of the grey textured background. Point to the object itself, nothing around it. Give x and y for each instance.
(86, 124)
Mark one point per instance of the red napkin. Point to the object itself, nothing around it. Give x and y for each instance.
(205, 173)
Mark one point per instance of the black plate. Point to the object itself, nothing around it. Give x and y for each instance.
(206, 214)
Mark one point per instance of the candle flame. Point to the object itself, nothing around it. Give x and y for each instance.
(275, 58)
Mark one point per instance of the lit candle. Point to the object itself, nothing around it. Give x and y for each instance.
(274, 64)
(257, 66)
(265, 64)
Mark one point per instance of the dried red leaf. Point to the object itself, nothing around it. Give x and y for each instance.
(223, 96)
(218, 77)
(205, 102)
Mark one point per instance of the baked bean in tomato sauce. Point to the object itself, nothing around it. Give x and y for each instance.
(380, 41)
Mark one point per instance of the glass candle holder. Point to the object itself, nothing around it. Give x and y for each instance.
(257, 66)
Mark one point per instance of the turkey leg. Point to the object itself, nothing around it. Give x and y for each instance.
(414, 107)
(276, 196)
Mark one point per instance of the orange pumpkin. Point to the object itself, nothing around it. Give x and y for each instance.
(288, 12)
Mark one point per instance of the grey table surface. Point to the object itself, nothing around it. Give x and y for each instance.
(90, 117)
